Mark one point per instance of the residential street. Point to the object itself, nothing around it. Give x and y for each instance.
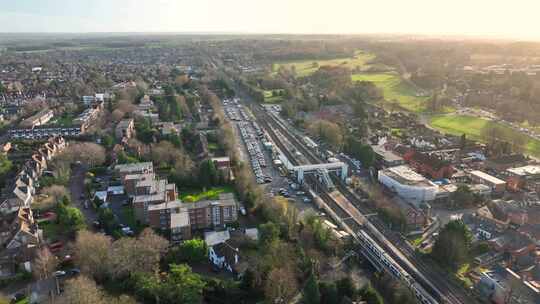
(76, 188)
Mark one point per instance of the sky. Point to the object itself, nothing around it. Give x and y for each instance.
(500, 18)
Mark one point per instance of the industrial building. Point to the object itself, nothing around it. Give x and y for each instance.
(409, 185)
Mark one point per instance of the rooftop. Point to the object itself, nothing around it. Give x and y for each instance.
(136, 167)
(487, 177)
(525, 170)
(405, 175)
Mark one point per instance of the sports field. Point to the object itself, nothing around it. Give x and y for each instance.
(472, 127)
(308, 67)
(395, 89)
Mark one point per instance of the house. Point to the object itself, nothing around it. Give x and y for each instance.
(429, 164)
(145, 103)
(136, 168)
(497, 185)
(19, 237)
(223, 165)
(501, 164)
(223, 251)
(125, 128)
(526, 177)
(38, 119)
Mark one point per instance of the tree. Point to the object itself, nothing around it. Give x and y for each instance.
(453, 244)
(370, 295)
(268, 233)
(81, 290)
(92, 254)
(208, 174)
(88, 153)
(327, 131)
(463, 197)
(346, 288)
(5, 167)
(44, 263)
(312, 294)
(280, 285)
(329, 293)
(143, 254)
(190, 251)
(362, 152)
(55, 192)
(71, 218)
(179, 285)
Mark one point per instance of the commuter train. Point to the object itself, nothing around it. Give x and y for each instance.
(389, 263)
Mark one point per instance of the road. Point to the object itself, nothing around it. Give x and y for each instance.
(76, 188)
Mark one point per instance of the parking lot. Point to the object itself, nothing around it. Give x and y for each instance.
(251, 135)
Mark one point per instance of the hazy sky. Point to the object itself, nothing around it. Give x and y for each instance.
(517, 18)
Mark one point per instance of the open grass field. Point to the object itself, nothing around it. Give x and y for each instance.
(472, 127)
(192, 196)
(308, 67)
(394, 88)
(270, 98)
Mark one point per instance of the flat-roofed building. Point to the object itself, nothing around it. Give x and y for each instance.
(407, 184)
(496, 184)
(526, 177)
(386, 158)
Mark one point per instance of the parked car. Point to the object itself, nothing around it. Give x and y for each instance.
(59, 273)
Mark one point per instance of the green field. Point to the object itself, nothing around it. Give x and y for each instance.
(308, 67)
(270, 98)
(394, 88)
(472, 127)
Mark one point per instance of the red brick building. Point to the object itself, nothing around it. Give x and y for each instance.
(429, 165)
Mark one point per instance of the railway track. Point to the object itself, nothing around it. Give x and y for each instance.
(399, 249)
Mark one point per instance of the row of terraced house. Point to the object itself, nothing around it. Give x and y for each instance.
(20, 236)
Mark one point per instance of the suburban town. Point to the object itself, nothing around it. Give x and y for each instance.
(247, 168)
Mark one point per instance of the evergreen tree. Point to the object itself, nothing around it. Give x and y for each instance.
(312, 294)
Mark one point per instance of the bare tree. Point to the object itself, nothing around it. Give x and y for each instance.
(55, 192)
(92, 253)
(280, 285)
(117, 115)
(142, 254)
(88, 153)
(82, 290)
(44, 263)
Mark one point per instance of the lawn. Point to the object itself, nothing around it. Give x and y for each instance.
(308, 67)
(472, 127)
(394, 88)
(196, 195)
(270, 98)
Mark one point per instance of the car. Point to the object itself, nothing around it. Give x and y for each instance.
(86, 205)
(74, 271)
(59, 273)
(243, 210)
(17, 297)
(300, 193)
(97, 224)
(306, 200)
(81, 196)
